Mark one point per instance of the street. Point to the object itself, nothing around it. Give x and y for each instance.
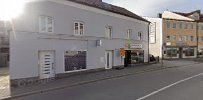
(180, 83)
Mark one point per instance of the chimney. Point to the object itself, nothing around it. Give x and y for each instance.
(159, 15)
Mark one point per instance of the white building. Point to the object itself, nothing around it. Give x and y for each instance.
(155, 36)
(56, 37)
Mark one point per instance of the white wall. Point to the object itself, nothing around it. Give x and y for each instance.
(156, 48)
(26, 41)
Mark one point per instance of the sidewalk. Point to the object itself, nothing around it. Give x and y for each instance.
(4, 83)
(93, 77)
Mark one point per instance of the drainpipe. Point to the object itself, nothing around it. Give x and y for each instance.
(148, 43)
(197, 35)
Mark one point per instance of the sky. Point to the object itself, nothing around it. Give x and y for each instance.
(153, 7)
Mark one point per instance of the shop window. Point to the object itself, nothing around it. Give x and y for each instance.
(189, 52)
(137, 57)
(75, 60)
(171, 52)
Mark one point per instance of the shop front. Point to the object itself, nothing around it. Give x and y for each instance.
(180, 52)
(134, 55)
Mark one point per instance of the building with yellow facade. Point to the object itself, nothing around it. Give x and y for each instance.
(177, 35)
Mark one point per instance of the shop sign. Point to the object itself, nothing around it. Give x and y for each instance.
(122, 52)
(181, 44)
(136, 46)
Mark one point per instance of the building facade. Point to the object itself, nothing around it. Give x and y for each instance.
(155, 36)
(52, 38)
(181, 35)
(4, 45)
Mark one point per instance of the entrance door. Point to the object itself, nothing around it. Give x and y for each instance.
(109, 59)
(46, 63)
(127, 61)
(180, 52)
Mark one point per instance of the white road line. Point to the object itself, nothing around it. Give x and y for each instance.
(164, 88)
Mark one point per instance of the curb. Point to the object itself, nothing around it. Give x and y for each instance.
(93, 81)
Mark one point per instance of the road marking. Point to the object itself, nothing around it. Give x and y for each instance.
(166, 87)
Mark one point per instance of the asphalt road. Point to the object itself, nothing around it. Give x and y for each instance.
(181, 83)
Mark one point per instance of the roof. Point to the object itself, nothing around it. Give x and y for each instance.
(108, 7)
(188, 14)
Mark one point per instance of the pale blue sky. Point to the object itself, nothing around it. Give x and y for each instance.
(152, 7)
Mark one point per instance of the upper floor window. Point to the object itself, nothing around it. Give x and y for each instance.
(191, 26)
(139, 35)
(168, 24)
(109, 32)
(181, 25)
(78, 28)
(174, 37)
(192, 38)
(168, 38)
(186, 26)
(184, 38)
(174, 25)
(46, 24)
(129, 34)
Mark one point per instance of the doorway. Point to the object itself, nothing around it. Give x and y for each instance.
(180, 52)
(46, 64)
(109, 59)
(127, 60)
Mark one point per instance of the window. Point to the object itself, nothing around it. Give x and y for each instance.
(75, 60)
(79, 28)
(186, 25)
(171, 52)
(129, 34)
(191, 38)
(168, 38)
(174, 25)
(139, 35)
(174, 38)
(181, 25)
(191, 26)
(189, 52)
(108, 32)
(46, 24)
(184, 38)
(168, 24)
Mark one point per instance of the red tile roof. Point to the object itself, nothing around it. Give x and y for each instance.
(108, 7)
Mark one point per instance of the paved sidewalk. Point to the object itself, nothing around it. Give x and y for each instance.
(4, 83)
(93, 77)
